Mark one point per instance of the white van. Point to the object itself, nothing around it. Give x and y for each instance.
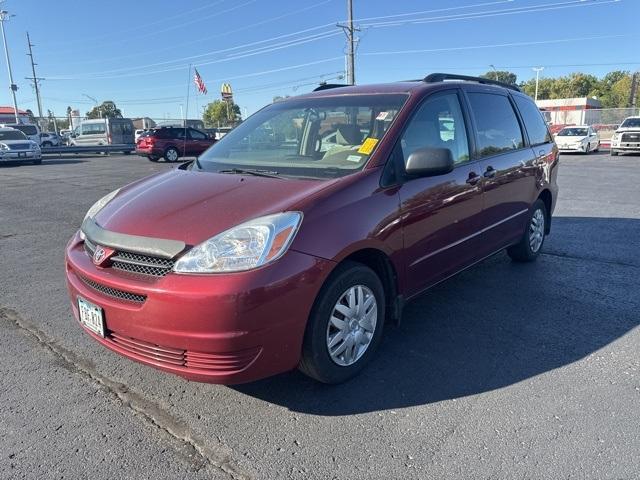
(31, 130)
(104, 131)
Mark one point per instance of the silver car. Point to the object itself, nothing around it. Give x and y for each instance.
(16, 147)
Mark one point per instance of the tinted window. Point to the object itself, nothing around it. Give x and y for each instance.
(438, 124)
(26, 129)
(196, 135)
(533, 121)
(497, 124)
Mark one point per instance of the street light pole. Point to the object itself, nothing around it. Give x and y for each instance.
(3, 16)
(94, 101)
(537, 70)
(495, 72)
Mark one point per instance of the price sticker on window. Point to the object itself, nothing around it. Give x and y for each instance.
(367, 147)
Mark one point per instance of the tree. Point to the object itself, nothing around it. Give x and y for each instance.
(221, 114)
(108, 109)
(501, 76)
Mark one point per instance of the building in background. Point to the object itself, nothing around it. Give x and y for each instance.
(568, 111)
(7, 115)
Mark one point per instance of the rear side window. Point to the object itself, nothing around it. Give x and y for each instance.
(93, 128)
(196, 135)
(533, 121)
(497, 124)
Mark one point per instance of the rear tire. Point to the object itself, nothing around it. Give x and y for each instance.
(171, 154)
(529, 247)
(345, 325)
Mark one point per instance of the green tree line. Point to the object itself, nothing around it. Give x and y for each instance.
(613, 90)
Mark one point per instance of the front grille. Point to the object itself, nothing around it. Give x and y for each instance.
(142, 264)
(218, 362)
(631, 137)
(113, 292)
(135, 262)
(20, 146)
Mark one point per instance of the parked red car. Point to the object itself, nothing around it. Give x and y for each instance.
(171, 143)
(299, 235)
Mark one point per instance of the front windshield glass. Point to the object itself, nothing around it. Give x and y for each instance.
(324, 137)
(12, 135)
(631, 123)
(573, 132)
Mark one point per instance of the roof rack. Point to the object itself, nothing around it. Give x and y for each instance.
(327, 86)
(441, 77)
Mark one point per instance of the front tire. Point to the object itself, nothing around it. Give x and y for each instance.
(171, 154)
(614, 153)
(345, 325)
(529, 247)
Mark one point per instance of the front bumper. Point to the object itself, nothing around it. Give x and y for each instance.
(230, 328)
(625, 146)
(20, 156)
(580, 148)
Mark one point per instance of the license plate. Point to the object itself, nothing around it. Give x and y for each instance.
(91, 316)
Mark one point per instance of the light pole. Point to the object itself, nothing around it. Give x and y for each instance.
(537, 70)
(495, 72)
(94, 101)
(3, 16)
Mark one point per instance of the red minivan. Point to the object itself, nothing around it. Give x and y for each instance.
(293, 240)
(171, 143)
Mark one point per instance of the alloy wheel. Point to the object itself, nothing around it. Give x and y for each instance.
(536, 230)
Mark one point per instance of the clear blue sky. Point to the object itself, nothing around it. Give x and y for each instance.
(137, 52)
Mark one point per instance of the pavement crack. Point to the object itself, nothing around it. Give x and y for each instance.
(218, 457)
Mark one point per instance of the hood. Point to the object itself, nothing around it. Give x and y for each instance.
(194, 206)
(9, 143)
(628, 129)
(572, 138)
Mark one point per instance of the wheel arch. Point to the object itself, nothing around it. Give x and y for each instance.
(381, 264)
(547, 199)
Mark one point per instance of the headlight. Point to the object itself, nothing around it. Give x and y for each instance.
(249, 245)
(99, 205)
(4, 147)
(614, 137)
(34, 146)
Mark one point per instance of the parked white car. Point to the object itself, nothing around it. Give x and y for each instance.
(627, 137)
(578, 138)
(16, 147)
(48, 139)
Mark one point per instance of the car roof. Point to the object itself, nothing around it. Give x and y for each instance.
(429, 83)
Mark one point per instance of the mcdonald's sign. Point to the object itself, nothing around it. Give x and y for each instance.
(226, 92)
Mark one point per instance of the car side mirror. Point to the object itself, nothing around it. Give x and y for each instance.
(429, 162)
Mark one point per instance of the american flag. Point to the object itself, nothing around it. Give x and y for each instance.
(197, 79)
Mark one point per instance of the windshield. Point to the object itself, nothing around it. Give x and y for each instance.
(325, 137)
(573, 132)
(631, 123)
(12, 135)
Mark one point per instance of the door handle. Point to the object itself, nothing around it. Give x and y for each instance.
(473, 178)
(490, 172)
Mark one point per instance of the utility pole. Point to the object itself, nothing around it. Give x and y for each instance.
(3, 16)
(35, 79)
(349, 30)
(633, 96)
(537, 70)
(94, 101)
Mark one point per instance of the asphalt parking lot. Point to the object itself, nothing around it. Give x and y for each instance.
(505, 371)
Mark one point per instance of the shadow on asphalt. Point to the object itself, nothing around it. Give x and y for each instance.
(494, 325)
(45, 162)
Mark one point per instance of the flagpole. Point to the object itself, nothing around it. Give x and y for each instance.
(196, 96)
(186, 115)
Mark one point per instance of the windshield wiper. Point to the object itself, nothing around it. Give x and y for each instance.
(251, 171)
